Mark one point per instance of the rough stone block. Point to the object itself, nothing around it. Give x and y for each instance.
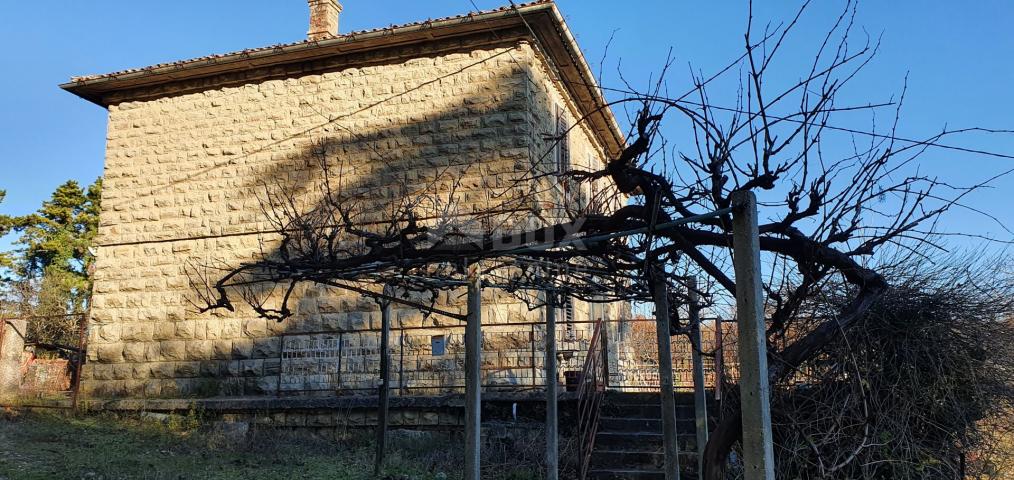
(140, 371)
(109, 333)
(162, 370)
(252, 368)
(184, 330)
(213, 329)
(255, 327)
(109, 353)
(152, 389)
(231, 328)
(266, 347)
(199, 349)
(187, 369)
(164, 331)
(222, 349)
(134, 351)
(101, 371)
(173, 350)
(152, 352)
(242, 348)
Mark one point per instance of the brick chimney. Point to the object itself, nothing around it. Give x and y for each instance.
(323, 19)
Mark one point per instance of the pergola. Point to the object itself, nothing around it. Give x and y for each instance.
(757, 440)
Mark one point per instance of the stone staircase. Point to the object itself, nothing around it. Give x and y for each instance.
(628, 444)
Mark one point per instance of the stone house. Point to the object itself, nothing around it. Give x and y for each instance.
(189, 142)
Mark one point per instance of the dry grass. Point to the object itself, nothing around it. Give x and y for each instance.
(56, 445)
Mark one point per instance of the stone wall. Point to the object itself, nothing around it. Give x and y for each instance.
(187, 167)
(12, 349)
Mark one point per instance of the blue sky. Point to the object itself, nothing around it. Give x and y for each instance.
(956, 54)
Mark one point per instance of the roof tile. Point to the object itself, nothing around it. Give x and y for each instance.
(350, 35)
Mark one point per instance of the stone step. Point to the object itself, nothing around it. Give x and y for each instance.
(646, 410)
(628, 444)
(647, 442)
(642, 424)
(628, 424)
(641, 441)
(619, 474)
(639, 473)
(627, 459)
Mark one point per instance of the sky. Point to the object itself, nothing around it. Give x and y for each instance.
(956, 56)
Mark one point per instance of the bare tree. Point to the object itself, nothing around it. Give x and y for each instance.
(921, 388)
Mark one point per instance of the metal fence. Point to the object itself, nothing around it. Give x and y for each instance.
(424, 360)
(430, 360)
(427, 361)
(634, 353)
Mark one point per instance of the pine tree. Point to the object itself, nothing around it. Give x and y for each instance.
(56, 247)
(6, 225)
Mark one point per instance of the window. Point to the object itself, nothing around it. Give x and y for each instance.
(562, 142)
(571, 190)
(437, 345)
(591, 200)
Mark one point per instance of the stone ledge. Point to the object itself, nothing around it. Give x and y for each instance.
(253, 404)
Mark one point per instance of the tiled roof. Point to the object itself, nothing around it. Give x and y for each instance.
(541, 18)
(280, 46)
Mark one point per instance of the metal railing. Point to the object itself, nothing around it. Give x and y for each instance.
(634, 351)
(430, 360)
(591, 388)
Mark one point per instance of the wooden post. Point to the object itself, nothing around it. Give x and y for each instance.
(383, 399)
(758, 454)
(552, 440)
(700, 394)
(660, 295)
(473, 375)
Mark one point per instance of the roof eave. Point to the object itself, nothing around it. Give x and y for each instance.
(91, 88)
(544, 18)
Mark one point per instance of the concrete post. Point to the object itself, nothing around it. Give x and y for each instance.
(700, 393)
(552, 440)
(383, 399)
(82, 346)
(719, 359)
(12, 345)
(473, 375)
(758, 453)
(659, 290)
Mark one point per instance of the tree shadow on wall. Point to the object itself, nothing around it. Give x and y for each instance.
(460, 168)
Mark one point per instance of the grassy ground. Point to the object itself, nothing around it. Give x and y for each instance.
(59, 446)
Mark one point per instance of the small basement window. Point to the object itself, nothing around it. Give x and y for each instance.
(437, 345)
